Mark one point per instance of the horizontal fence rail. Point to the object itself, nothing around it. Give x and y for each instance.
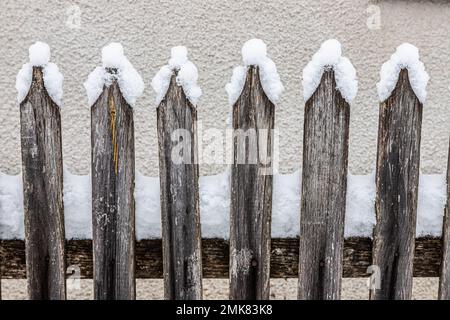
(215, 255)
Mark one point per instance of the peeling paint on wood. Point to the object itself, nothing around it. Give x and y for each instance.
(113, 205)
(397, 180)
(324, 188)
(42, 168)
(180, 210)
(251, 193)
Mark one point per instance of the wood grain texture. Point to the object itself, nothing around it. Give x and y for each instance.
(444, 281)
(42, 169)
(2, 262)
(180, 211)
(397, 179)
(113, 205)
(251, 192)
(215, 256)
(324, 188)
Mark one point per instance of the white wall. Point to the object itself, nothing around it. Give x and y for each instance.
(214, 32)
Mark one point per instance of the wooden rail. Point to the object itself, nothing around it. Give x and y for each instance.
(215, 254)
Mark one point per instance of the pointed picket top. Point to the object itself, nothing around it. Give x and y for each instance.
(185, 73)
(254, 54)
(329, 56)
(115, 68)
(406, 57)
(39, 55)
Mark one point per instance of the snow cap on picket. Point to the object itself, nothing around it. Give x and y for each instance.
(113, 56)
(254, 52)
(330, 56)
(187, 76)
(130, 81)
(39, 56)
(405, 57)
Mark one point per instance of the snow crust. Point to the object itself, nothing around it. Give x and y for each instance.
(215, 206)
(405, 57)
(431, 204)
(254, 53)
(330, 56)
(11, 207)
(148, 209)
(360, 207)
(187, 76)
(130, 81)
(39, 56)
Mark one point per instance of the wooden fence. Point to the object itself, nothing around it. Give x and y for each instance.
(320, 257)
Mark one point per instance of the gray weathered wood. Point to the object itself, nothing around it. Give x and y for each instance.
(251, 191)
(397, 179)
(42, 173)
(113, 205)
(444, 281)
(2, 263)
(215, 256)
(324, 188)
(180, 212)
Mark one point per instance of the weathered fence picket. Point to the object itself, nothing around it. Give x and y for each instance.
(180, 212)
(42, 169)
(2, 263)
(113, 205)
(397, 179)
(444, 281)
(324, 187)
(251, 191)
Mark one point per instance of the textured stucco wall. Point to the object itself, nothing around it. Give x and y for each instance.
(214, 32)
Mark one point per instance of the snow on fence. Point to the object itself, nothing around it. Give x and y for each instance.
(325, 251)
